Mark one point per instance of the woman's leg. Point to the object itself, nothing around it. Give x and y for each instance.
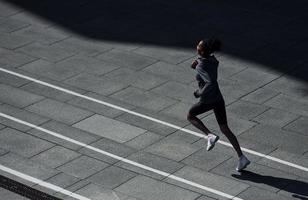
(221, 116)
(231, 137)
(195, 110)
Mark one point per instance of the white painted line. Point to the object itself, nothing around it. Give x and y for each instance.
(42, 183)
(165, 174)
(152, 119)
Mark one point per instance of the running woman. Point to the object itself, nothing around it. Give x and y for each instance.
(210, 98)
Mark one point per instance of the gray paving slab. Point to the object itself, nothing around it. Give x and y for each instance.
(88, 64)
(204, 198)
(67, 131)
(50, 82)
(109, 128)
(76, 186)
(147, 188)
(153, 161)
(290, 104)
(50, 70)
(22, 115)
(55, 156)
(6, 194)
(10, 25)
(61, 180)
(109, 146)
(111, 177)
(290, 157)
(256, 193)
(146, 81)
(59, 111)
(26, 166)
(183, 136)
(148, 124)
(83, 46)
(272, 135)
(3, 151)
(46, 52)
(205, 160)
(256, 175)
(260, 95)
(276, 117)
(246, 110)
(236, 124)
(126, 46)
(139, 79)
(172, 149)
(7, 9)
(17, 97)
(230, 66)
(300, 125)
(12, 80)
(233, 90)
(207, 179)
(144, 99)
(289, 86)
(46, 91)
(143, 140)
(253, 77)
(166, 54)
(32, 19)
(178, 111)
(41, 34)
(127, 59)
(12, 42)
(14, 59)
(21, 143)
(96, 84)
(83, 167)
(96, 192)
(175, 90)
(100, 108)
(171, 72)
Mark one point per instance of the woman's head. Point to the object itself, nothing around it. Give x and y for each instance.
(208, 46)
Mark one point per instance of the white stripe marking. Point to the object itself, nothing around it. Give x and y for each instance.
(42, 183)
(165, 174)
(152, 119)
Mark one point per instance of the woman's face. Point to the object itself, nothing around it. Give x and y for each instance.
(200, 48)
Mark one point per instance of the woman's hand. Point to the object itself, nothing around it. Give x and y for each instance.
(194, 64)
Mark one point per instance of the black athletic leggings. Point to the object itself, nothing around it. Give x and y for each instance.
(218, 107)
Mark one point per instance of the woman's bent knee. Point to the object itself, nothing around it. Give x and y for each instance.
(190, 117)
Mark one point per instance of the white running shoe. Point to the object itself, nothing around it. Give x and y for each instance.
(211, 140)
(242, 163)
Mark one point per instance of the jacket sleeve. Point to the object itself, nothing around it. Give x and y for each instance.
(206, 82)
(204, 89)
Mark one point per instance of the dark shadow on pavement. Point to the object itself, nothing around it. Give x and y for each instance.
(271, 33)
(298, 188)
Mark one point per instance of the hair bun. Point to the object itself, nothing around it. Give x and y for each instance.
(212, 44)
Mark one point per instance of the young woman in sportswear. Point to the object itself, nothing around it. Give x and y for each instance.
(210, 98)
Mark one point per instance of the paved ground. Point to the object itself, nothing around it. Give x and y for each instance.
(136, 55)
